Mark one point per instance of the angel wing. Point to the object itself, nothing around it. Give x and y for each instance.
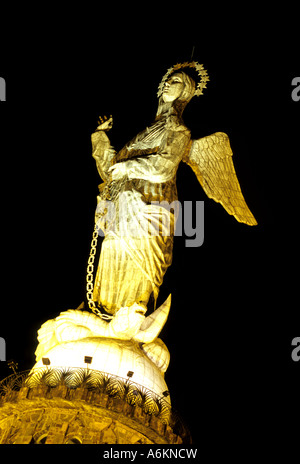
(211, 159)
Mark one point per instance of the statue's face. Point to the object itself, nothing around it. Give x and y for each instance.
(173, 87)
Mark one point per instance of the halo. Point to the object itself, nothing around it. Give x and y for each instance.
(193, 64)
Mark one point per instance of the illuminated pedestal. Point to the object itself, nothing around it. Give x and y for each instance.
(87, 387)
(60, 415)
(116, 399)
(112, 356)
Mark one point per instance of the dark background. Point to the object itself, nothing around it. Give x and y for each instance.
(234, 299)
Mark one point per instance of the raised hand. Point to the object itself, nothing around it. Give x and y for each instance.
(104, 123)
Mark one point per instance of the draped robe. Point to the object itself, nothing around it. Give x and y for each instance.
(132, 264)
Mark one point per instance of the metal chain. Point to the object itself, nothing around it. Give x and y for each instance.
(90, 277)
(110, 191)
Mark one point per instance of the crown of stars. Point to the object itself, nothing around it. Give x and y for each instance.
(193, 64)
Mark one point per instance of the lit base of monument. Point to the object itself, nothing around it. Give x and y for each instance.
(60, 415)
(67, 404)
(121, 358)
(90, 390)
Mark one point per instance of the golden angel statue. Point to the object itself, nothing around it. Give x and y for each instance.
(131, 267)
(139, 182)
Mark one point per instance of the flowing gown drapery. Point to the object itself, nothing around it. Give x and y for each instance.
(138, 243)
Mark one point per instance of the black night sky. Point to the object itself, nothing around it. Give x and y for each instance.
(234, 304)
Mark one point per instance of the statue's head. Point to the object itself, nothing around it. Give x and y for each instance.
(179, 86)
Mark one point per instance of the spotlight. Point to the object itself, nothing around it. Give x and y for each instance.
(88, 359)
(166, 393)
(46, 361)
(130, 374)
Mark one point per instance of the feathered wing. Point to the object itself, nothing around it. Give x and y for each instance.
(211, 159)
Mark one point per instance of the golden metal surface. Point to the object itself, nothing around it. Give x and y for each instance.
(131, 267)
(211, 159)
(133, 211)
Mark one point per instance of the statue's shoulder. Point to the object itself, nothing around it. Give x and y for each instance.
(181, 131)
(182, 128)
(177, 125)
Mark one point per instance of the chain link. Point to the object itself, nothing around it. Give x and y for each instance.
(90, 277)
